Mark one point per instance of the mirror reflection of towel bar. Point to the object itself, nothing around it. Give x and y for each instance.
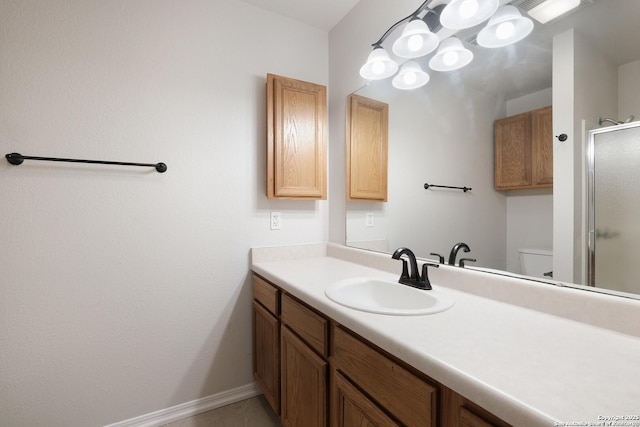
(17, 159)
(465, 189)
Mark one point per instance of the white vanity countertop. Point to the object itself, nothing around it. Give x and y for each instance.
(525, 366)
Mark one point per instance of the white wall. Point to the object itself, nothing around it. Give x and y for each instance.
(585, 86)
(629, 90)
(124, 291)
(437, 134)
(349, 45)
(529, 213)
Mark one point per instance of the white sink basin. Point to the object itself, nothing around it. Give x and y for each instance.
(387, 297)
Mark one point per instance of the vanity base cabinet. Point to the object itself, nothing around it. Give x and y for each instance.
(314, 371)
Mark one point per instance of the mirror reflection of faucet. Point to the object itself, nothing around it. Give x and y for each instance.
(463, 260)
(454, 252)
(415, 279)
(440, 257)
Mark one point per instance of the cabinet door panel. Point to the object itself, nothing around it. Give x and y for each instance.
(351, 408)
(266, 363)
(542, 128)
(296, 139)
(303, 384)
(367, 135)
(513, 152)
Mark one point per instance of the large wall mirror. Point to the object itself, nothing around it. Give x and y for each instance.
(586, 65)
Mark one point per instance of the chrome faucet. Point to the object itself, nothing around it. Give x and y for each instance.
(414, 279)
(454, 251)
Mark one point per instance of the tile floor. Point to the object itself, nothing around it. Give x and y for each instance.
(254, 412)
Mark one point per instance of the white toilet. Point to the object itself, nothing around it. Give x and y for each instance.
(536, 262)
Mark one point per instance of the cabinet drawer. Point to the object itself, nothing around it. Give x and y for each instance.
(310, 326)
(266, 294)
(410, 399)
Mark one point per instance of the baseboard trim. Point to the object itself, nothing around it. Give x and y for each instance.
(189, 409)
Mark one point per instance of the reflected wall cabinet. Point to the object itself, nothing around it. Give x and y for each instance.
(524, 150)
(296, 139)
(367, 139)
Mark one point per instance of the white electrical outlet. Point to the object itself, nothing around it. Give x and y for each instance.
(369, 219)
(276, 220)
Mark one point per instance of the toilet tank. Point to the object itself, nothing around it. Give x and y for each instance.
(536, 262)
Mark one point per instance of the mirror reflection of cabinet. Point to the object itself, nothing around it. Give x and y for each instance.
(367, 135)
(524, 150)
(296, 139)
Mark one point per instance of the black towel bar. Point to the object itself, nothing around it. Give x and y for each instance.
(465, 189)
(17, 159)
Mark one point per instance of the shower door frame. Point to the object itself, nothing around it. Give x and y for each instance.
(591, 207)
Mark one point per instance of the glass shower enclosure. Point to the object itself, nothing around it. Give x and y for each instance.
(614, 207)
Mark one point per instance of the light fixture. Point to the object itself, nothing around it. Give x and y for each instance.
(551, 9)
(416, 40)
(451, 56)
(460, 14)
(411, 76)
(419, 38)
(506, 27)
(379, 65)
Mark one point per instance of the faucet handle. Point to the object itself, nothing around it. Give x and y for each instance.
(426, 284)
(462, 261)
(440, 257)
(405, 270)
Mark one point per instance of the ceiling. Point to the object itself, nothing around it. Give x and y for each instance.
(603, 21)
(322, 14)
(612, 25)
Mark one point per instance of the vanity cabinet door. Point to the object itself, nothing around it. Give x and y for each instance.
(296, 139)
(457, 411)
(407, 397)
(266, 351)
(351, 408)
(303, 384)
(367, 136)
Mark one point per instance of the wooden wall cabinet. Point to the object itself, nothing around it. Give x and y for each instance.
(349, 383)
(367, 148)
(524, 150)
(296, 139)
